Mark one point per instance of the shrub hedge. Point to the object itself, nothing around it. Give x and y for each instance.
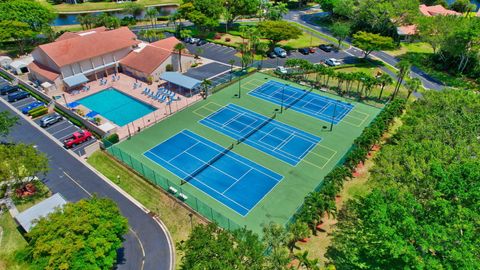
(36, 113)
(317, 203)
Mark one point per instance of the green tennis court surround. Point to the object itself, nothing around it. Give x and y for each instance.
(302, 172)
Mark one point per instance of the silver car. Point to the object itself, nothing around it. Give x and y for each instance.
(49, 120)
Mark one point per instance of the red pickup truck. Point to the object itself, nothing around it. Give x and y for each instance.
(77, 138)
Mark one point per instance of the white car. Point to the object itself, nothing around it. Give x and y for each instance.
(280, 52)
(333, 62)
(281, 70)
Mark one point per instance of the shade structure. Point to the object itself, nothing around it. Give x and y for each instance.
(75, 80)
(28, 217)
(180, 80)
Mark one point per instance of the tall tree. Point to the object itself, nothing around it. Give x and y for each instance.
(19, 32)
(133, 9)
(179, 47)
(384, 80)
(151, 14)
(276, 31)
(404, 67)
(298, 230)
(369, 42)
(238, 8)
(33, 13)
(412, 86)
(205, 14)
(7, 122)
(340, 31)
(21, 162)
(82, 235)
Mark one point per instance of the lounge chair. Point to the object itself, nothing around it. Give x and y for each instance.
(162, 98)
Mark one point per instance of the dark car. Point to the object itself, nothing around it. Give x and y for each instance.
(32, 106)
(7, 89)
(271, 55)
(326, 47)
(50, 120)
(201, 42)
(304, 51)
(17, 96)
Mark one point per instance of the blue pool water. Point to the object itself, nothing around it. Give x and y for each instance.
(116, 106)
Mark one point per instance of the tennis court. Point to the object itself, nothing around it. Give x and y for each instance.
(279, 140)
(231, 179)
(304, 101)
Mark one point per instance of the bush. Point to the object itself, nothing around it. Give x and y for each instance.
(227, 39)
(169, 67)
(217, 36)
(41, 111)
(35, 110)
(110, 140)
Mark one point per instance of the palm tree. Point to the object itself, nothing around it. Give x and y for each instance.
(403, 70)
(413, 85)
(231, 62)
(179, 47)
(205, 86)
(328, 74)
(298, 230)
(384, 80)
(303, 260)
(151, 14)
(262, 49)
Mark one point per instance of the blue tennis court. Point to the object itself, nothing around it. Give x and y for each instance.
(282, 141)
(303, 101)
(224, 175)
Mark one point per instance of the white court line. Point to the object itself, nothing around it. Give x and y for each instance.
(184, 151)
(234, 183)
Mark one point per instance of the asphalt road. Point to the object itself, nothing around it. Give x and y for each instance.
(75, 181)
(306, 20)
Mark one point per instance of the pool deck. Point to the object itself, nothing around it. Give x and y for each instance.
(125, 85)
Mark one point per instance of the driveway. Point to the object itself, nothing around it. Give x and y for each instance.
(146, 246)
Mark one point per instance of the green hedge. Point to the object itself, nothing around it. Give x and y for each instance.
(40, 112)
(5, 76)
(111, 140)
(318, 202)
(35, 109)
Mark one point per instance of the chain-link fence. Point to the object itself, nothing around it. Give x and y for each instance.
(173, 189)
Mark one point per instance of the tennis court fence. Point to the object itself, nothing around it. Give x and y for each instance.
(168, 185)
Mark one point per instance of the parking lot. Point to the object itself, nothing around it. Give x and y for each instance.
(60, 130)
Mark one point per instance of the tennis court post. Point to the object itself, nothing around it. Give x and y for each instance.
(333, 115)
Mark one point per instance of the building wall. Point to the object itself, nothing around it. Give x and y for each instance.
(40, 57)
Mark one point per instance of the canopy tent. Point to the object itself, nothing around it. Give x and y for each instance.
(180, 80)
(75, 80)
(27, 218)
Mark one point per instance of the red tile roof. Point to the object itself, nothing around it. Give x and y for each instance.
(436, 10)
(147, 60)
(75, 49)
(68, 35)
(407, 30)
(166, 43)
(43, 71)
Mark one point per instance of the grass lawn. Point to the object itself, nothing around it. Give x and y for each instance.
(93, 6)
(414, 47)
(280, 202)
(174, 216)
(10, 241)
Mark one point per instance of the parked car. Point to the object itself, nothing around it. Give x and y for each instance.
(77, 138)
(17, 96)
(7, 89)
(201, 42)
(311, 50)
(333, 62)
(326, 47)
(49, 120)
(304, 51)
(32, 106)
(194, 40)
(187, 39)
(281, 70)
(271, 55)
(280, 52)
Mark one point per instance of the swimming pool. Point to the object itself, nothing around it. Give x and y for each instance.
(116, 106)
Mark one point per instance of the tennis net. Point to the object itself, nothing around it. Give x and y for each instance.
(250, 133)
(207, 164)
(298, 99)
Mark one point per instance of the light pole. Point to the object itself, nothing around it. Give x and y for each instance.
(333, 115)
(283, 94)
(239, 94)
(191, 220)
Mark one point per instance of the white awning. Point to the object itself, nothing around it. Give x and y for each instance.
(75, 80)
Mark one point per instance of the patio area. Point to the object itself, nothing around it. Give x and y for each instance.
(170, 104)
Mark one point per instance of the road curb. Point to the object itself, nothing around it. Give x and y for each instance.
(108, 181)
